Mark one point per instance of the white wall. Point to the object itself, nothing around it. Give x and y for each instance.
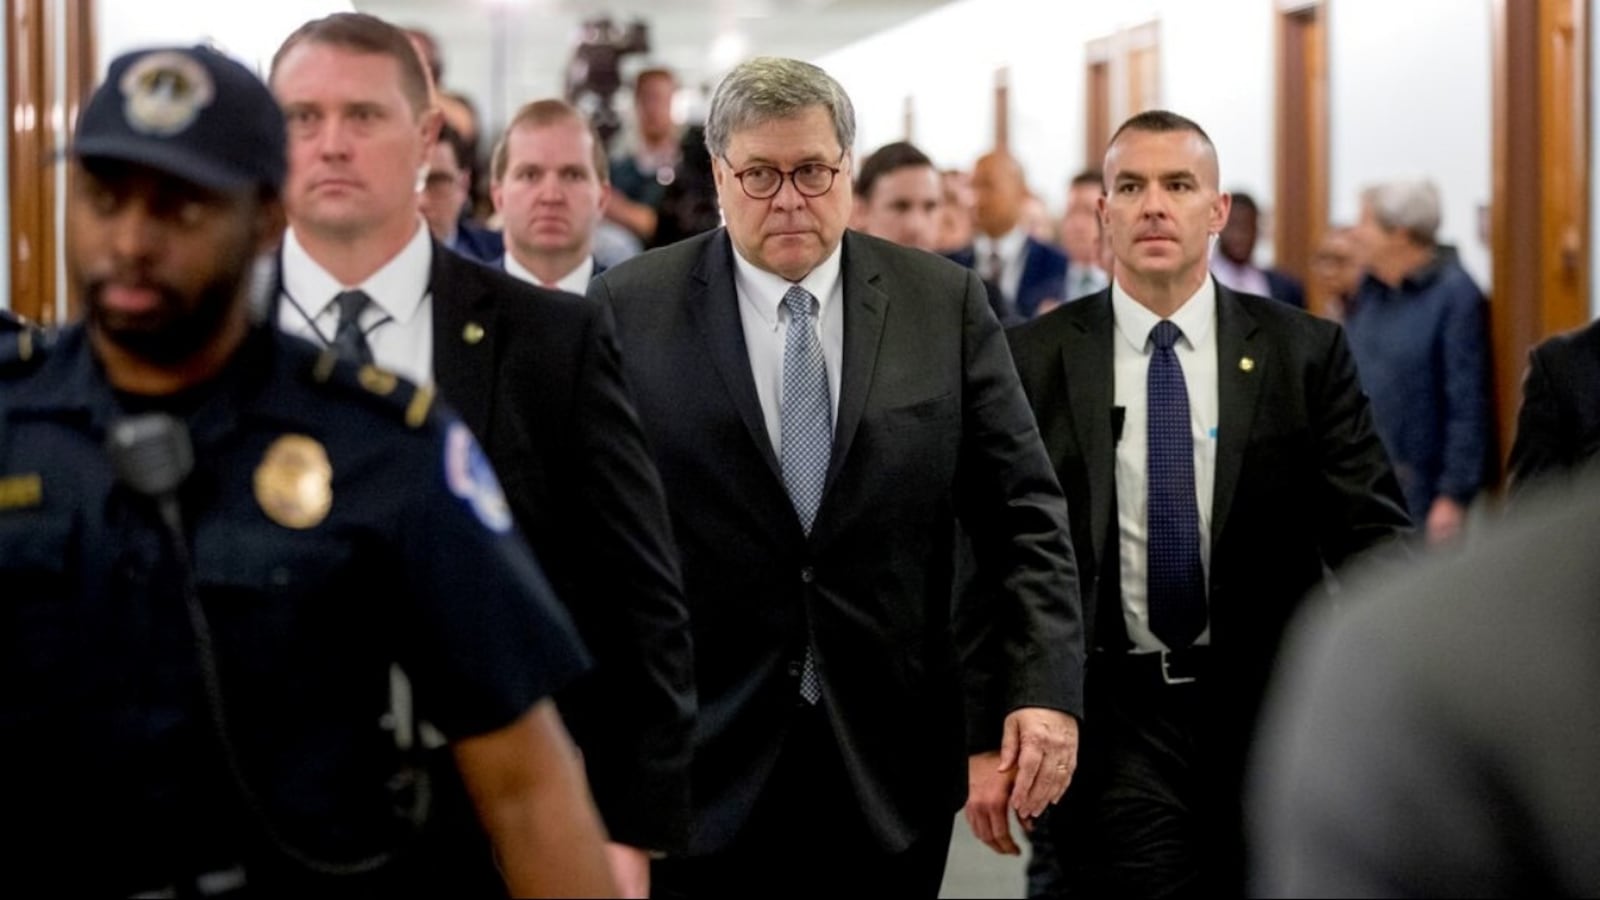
(1216, 68)
(1411, 94)
(248, 31)
(5, 202)
(1409, 86)
(1594, 182)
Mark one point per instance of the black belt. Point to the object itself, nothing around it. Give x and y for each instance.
(1168, 668)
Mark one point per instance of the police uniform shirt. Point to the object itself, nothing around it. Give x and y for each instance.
(330, 539)
(398, 322)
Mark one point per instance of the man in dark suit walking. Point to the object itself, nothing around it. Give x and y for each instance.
(534, 373)
(823, 407)
(1217, 454)
(1558, 427)
(1025, 276)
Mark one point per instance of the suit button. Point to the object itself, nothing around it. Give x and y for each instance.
(808, 575)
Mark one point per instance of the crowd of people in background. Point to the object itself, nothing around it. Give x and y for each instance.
(781, 503)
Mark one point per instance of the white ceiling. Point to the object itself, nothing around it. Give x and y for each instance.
(505, 52)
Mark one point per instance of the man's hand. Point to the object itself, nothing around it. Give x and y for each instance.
(988, 790)
(1445, 519)
(630, 868)
(1040, 750)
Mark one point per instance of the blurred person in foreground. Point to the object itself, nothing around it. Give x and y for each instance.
(1434, 733)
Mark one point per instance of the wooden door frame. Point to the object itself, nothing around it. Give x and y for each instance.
(1299, 215)
(1523, 310)
(41, 108)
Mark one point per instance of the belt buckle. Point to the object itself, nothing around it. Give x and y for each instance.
(1166, 671)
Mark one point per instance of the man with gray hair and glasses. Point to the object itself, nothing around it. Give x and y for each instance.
(824, 406)
(1418, 328)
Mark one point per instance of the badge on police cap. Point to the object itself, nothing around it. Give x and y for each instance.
(470, 477)
(294, 483)
(163, 92)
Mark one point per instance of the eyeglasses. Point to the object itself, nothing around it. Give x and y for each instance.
(764, 182)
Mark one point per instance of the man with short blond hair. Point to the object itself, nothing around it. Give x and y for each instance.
(536, 376)
(550, 187)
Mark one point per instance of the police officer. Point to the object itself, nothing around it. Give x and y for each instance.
(217, 542)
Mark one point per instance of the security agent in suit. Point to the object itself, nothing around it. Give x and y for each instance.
(823, 407)
(1025, 275)
(1436, 734)
(1210, 484)
(209, 572)
(1558, 427)
(550, 185)
(534, 373)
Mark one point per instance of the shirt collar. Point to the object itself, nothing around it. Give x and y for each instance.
(766, 289)
(1194, 318)
(574, 282)
(1008, 245)
(397, 288)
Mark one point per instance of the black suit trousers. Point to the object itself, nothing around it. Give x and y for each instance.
(807, 836)
(1153, 810)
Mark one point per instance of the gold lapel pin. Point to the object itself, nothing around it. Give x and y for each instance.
(473, 333)
(1246, 364)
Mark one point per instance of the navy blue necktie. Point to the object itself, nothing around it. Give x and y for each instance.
(805, 431)
(349, 340)
(1176, 585)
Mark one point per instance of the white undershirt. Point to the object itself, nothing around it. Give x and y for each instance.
(766, 323)
(1013, 249)
(574, 282)
(399, 321)
(1197, 355)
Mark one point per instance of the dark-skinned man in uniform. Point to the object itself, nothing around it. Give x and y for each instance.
(216, 541)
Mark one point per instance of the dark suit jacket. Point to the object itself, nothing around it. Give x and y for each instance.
(535, 375)
(1044, 277)
(1285, 287)
(1558, 428)
(931, 426)
(1302, 479)
(543, 390)
(480, 244)
(11, 322)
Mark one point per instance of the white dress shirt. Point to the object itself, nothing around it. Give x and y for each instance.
(1246, 279)
(1013, 250)
(399, 320)
(766, 324)
(574, 282)
(1197, 355)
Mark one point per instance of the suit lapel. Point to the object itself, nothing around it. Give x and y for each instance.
(714, 307)
(1241, 366)
(466, 338)
(1086, 356)
(864, 307)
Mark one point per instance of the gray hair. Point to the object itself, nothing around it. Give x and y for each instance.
(1411, 206)
(768, 88)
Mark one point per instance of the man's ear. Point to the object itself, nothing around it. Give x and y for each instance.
(271, 220)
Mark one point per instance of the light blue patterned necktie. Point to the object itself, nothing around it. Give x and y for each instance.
(1176, 578)
(805, 430)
